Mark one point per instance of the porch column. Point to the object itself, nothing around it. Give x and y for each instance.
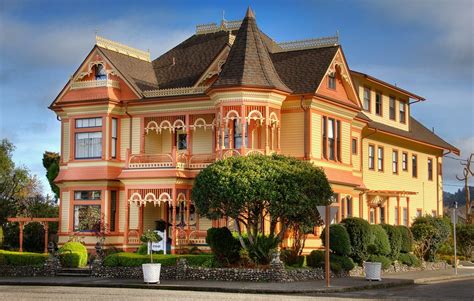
(361, 205)
(266, 124)
(221, 130)
(173, 226)
(142, 135)
(188, 207)
(188, 136)
(243, 122)
(408, 211)
(127, 216)
(21, 236)
(387, 211)
(278, 138)
(46, 226)
(399, 210)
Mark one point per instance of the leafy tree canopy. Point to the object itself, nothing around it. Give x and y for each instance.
(51, 164)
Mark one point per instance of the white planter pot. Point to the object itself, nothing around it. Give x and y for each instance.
(151, 272)
(373, 270)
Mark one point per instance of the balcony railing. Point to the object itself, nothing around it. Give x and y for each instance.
(179, 160)
(95, 84)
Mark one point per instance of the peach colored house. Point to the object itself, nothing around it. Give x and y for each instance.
(135, 132)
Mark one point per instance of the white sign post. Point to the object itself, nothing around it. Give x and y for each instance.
(158, 246)
(327, 213)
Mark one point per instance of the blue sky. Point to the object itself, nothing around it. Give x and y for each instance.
(424, 46)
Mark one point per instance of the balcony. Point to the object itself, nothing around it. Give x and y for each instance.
(177, 160)
(95, 84)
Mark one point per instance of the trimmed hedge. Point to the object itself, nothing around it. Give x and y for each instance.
(465, 239)
(407, 239)
(360, 236)
(224, 246)
(70, 260)
(409, 259)
(290, 258)
(339, 241)
(1, 236)
(380, 240)
(133, 259)
(386, 262)
(21, 259)
(338, 263)
(395, 240)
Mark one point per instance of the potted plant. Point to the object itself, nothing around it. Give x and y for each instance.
(372, 268)
(151, 271)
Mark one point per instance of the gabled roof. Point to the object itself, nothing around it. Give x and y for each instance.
(303, 70)
(249, 63)
(137, 72)
(183, 65)
(417, 132)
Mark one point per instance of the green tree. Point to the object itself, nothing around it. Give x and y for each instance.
(248, 189)
(429, 234)
(51, 164)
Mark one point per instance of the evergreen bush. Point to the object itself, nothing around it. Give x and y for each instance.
(224, 245)
(133, 259)
(73, 247)
(339, 241)
(407, 239)
(395, 240)
(409, 259)
(465, 239)
(380, 240)
(386, 262)
(316, 259)
(291, 258)
(360, 237)
(22, 259)
(430, 233)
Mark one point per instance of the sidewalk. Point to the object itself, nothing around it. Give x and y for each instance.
(302, 287)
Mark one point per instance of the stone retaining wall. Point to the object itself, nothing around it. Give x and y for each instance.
(398, 267)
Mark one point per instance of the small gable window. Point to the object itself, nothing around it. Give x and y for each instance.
(332, 81)
(99, 72)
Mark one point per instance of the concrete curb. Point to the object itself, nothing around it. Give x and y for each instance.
(442, 278)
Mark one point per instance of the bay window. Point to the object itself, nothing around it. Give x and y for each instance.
(87, 218)
(89, 145)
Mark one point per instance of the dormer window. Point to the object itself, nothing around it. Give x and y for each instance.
(99, 72)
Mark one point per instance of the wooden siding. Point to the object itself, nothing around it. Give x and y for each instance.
(124, 136)
(65, 207)
(292, 134)
(122, 204)
(316, 135)
(66, 146)
(201, 141)
(133, 221)
(136, 135)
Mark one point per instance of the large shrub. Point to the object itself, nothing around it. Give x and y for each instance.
(223, 245)
(407, 239)
(21, 259)
(78, 260)
(409, 259)
(339, 241)
(263, 249)
(465, 239)
(395, 240)
(380, 240)
(360, 237)
(316, 259)
(133, 259)
(291, 258)
(429, 234)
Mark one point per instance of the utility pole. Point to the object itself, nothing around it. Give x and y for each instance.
(455, 243)
(467, 172)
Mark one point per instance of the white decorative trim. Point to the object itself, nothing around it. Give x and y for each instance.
(122, 48)
(308, 44)
(212, 27)
(175, 91)
(150, 197)
(95, 84)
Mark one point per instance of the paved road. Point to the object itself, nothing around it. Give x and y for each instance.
(454, 290)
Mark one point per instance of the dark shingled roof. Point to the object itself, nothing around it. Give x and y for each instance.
(249, 63)
(138, 72)
(303, 70)
(191, 59)
(417, 132)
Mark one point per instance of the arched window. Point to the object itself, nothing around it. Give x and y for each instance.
(99, 72)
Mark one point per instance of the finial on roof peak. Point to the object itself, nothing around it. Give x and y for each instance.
(249, 14)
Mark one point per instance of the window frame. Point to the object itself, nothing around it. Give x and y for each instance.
(405, 162)
(369, 99)
(113, 214)
(332, 79)
(336, 140)
(379, 95)
(414, 166)
(89, 119)
(92, 157)
(405, 217)
(114, 137)
(371, 159)
(354, 146)
(395, 161)
(402, 104)
(430, 169)
(75, 227)
(91, 191)
(380, 159)
(392, 111)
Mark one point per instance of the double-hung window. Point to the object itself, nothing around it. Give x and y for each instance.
(378, 104)
(380, 158)
(114, 137)
(331, 139)
(391, 106)
(366, 103)
(403, 113)
(371, 157)
(88, 145)
(414, 166)
(87, 211)
(332, 81)
(405, 161)
(430, 169)
(395, 161)
(354, 146)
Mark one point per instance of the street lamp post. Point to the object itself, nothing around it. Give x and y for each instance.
(327, 214)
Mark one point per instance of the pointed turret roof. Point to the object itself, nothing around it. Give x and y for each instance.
(249, 63)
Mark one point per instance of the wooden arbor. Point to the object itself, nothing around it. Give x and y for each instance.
(26, 220)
